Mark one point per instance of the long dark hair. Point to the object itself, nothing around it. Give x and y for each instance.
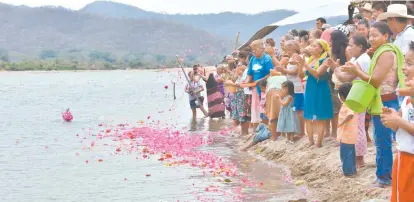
(339, 44)
(344, 89)
(351, 9)
(382, 27)
(365, 23)
(291, 88)
(262, 83)
(361, 41)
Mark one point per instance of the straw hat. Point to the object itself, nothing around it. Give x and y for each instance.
(395, 11)
(367, 7)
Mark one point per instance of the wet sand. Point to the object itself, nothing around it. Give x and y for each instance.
(320, 169)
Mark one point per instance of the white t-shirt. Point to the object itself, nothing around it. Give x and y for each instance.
(404, 38)
(194, 86)
(294, 79)
(405, 140)
(243, 78)
(364, 61)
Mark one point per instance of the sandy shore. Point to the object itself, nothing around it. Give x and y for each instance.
(320, 170)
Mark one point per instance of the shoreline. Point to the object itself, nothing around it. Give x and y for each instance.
(319, 169)
(208, 70)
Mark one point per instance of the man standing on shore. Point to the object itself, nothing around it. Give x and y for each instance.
(398, 20)
(319, 23)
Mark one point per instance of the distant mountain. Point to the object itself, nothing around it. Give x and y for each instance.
(26, 32)
(223, 24)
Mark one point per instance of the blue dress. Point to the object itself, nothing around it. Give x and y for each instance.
(318, 99)
(288, 121)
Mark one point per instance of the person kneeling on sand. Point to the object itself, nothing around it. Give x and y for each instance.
(262, 134)
(347, 133)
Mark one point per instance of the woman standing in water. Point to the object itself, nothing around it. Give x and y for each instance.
(214, 96)
(259, 67)
(241, 105)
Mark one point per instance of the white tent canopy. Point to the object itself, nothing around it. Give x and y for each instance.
(333, 9)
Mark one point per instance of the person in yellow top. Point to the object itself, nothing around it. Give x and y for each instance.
(347, 133)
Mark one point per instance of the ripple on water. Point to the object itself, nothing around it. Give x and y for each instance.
(43, 159)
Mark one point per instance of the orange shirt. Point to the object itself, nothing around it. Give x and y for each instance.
(347, 133)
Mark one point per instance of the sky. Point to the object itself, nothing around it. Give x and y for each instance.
(189, 6)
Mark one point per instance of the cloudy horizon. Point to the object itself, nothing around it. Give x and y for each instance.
(186, 6)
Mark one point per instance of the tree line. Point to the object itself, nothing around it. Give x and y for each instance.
(51, 60)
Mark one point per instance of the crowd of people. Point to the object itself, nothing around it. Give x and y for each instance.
(303, 87)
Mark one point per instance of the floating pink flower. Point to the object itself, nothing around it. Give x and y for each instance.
(67, 116)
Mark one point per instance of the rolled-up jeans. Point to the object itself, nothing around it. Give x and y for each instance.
(348, 158)
(383, 144)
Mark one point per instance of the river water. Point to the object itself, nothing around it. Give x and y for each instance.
(43, 158)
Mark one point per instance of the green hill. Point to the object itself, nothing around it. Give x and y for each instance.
(50, 33)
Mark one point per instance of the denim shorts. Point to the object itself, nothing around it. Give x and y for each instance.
(193, 104)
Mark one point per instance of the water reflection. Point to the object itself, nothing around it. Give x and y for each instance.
(206, 124)
(43, 159)
(197, 125)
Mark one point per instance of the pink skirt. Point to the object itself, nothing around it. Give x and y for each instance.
(255, 113)
(361, 143)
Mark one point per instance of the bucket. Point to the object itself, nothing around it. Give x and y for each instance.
(360, 96)
(376, 106)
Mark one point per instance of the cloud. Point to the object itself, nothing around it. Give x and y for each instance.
(189, 6)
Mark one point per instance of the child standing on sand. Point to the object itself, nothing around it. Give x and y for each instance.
(288, 121)
(347, 133)
(194, 90)
(263, 84)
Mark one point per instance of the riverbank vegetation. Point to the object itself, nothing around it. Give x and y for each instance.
(51, 60)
